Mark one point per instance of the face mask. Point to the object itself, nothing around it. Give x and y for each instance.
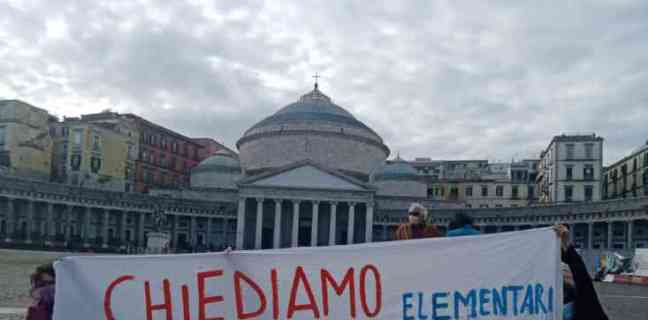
(568, 311)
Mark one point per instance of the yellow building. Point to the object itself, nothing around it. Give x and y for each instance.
(25, 142)
(92, 155)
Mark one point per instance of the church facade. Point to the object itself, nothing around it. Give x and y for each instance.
(311, 174)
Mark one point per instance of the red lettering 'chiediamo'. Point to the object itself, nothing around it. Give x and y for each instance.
(238, 294)
(166, 306)
(300, 278)
(348, 281)
(203, 298)
(108, 295)
(363, 291)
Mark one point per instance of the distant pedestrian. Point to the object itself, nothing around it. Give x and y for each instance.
(42, 293)
(417, 226)
(462, 225)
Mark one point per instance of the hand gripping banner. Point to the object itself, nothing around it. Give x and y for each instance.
(514, 275)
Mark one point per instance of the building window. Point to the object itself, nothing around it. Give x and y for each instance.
(78, 137)
(499, 191)
(174, 147)
(454, 193)
(469, 191)
(589, 151)
(163, 160)
(646, 159)
(468, 205)
(95, 164)
(148, 177)
(483, 206)
(634, 164)
(96, 143)
(484, 190)
(75, 162)
(3, 132)
(589, 193)
(515, 192)
(645, 182)
(570, 151)
(588, 172)
(569, 175)
(531, 192)
(569, 193)
(498, 206)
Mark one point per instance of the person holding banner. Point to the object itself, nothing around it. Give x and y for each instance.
(462, 225)
(42, 293)
(579, 295)
(417, 227)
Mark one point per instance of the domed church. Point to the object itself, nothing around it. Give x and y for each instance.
(311, 174)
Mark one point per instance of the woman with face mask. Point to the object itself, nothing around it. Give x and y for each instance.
(579, 295)
(417, 226)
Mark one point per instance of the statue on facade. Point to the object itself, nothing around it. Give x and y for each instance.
(159, 218)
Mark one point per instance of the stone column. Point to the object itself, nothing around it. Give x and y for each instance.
(332, 229)
(315, 224)
(369, 222)
(610, 234)
(572, 232)
(209, 232)
(351, 227)
(141, 238)
(276, 233)
(86, 226)
(240, 224)
(104, 227)
(590, 235)
(68, 223)
(51, 226)
(385, 232)
(124, 216)
(30, 221)
(225, 241)
(174, 232)
(258, 234)
(10, 219)
(630, 231)
(192, 233)
(295, 224)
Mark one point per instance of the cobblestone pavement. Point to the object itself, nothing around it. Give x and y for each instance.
(622, 302)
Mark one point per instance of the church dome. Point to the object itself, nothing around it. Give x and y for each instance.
(312, 128)
(399, 178)
(220, 170)
(397, 170)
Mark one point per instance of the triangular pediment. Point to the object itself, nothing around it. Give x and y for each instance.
(307, 176)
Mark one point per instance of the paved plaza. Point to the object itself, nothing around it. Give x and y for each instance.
(622, 302)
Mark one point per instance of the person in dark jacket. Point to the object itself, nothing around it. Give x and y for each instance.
(417, 226)
(42, 293)
(579, 295)
(462, 225)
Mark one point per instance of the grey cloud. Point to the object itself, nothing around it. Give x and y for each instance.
(448, 80)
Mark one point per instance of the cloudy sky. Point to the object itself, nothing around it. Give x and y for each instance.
(441, 79)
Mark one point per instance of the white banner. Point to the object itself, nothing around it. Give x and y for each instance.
(512, 275)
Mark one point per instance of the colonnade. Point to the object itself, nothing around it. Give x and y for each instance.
(52, 224)
(294, 212)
